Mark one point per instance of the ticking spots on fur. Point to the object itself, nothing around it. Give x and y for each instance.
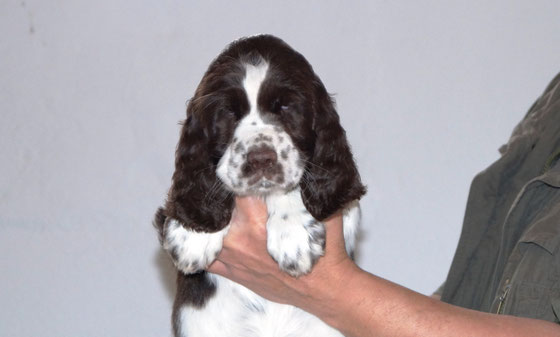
(296, 240)
(191, 251)
(260, 123)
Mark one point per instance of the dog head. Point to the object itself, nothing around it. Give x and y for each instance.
(260, 122)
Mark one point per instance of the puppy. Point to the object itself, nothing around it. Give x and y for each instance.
(260, 123)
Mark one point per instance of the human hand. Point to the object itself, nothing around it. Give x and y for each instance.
(245, 260)
(345, 297)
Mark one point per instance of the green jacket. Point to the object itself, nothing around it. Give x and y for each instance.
(508, 258)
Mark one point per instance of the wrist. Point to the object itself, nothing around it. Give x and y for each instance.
(326, 290)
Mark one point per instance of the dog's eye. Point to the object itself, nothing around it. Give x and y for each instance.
(232, 112)
(234, 102)
(234, 108)
(278, 106)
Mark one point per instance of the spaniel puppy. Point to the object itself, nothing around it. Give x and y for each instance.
(260, 123)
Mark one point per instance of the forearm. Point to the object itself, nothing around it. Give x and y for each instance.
(349, 299)
(362, 304)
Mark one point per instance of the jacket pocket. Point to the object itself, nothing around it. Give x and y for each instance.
(555, 304)
(527, 300)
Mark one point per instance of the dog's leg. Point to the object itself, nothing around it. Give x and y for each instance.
(351, 217)
(190, 251)
(295, 239)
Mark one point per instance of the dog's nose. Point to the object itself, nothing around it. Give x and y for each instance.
(262, 157)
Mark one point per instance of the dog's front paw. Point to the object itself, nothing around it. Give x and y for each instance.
(295, 241)
(191, 251)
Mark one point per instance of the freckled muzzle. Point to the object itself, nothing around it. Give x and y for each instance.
(261, 167)
(261, 160)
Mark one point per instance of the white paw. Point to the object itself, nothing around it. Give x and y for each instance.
(191, 251)
(295, 240)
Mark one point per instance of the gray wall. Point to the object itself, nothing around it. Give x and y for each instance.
(91, 93)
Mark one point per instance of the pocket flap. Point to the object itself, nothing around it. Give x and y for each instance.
(545, 231)
(555, 302)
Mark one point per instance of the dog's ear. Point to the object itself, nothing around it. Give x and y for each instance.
(197, 198)
(331, 179)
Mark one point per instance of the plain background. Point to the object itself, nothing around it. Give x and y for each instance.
(91, 93)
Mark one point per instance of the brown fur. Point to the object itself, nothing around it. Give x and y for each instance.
(198, 200)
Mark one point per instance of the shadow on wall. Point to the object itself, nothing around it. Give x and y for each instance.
(167, 272)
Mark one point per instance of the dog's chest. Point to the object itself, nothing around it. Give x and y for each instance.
(235, 311)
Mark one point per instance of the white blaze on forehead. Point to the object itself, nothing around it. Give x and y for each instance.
(254, 77)
(253, 131)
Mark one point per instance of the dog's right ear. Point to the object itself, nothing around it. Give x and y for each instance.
(332, 180)
(197, 198)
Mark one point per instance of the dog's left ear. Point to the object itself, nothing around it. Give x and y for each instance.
(331, 179)
(197, 198)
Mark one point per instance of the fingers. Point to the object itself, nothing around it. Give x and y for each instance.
(249, 202)
(335, 221)
(245, 243)
(335, 233)
(219, 268)
(249, 209)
